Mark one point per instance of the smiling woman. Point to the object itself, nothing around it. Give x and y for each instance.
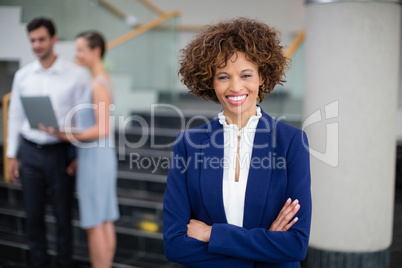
(238, 210)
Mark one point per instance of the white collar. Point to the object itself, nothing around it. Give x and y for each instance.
(57, 66)
(222, 119)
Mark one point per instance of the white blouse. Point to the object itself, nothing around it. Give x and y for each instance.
(234, 192)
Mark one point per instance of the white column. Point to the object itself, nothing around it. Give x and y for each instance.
(352, 76)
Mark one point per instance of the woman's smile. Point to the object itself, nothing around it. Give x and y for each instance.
(237, 99)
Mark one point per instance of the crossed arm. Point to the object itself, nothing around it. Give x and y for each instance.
(202, 232)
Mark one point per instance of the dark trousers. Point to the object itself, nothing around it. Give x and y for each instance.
(43, 171)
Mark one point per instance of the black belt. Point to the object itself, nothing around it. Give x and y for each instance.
(45, 146)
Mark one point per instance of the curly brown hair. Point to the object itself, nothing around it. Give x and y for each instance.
(213, 47)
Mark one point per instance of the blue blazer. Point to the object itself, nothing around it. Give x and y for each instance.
(281, 169)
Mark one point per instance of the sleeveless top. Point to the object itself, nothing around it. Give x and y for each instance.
(97, 168)
(85, 117)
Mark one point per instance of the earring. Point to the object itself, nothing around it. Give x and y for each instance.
(262, 87)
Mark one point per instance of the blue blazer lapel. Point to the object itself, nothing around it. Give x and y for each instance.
(259, 176)
(211, 178)
(258, 179)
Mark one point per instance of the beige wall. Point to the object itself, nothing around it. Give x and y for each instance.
(288, 16)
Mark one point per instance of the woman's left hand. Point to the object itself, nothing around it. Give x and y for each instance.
(72, 167)
(284, 220)
(199, 230)
(49, 130)
(52, 131)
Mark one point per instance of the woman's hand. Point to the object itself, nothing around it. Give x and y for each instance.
(284, 220)
(72, 167)
(199, 230)
(52, 131)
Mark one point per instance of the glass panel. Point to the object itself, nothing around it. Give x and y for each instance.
(148, 59)
(74, 16)
(142, 69)
(286, 102)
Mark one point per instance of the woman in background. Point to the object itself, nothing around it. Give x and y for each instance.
(236, 183)
(97, 161)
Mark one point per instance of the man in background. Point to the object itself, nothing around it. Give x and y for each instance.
(38, 159)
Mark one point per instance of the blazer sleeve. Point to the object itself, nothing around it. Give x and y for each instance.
(260, 244)
(177, 214)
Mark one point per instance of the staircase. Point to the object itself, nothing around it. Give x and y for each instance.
(141, 184)
(143, 147)
(140, 187)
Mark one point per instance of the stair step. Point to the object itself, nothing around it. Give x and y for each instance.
(126, 196)
(144, 138)
(140, 210)
(141, 176)
(133, 210)
(146, 226)
(169, 119)
(134, 235)
(149, 161)
(16, 244)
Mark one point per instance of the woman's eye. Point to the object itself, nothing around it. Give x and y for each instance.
(222, 77)
(247, 75)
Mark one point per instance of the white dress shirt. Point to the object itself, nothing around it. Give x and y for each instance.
(63, 82)
(234, 192)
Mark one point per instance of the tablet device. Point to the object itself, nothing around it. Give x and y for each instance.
(39, 110)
